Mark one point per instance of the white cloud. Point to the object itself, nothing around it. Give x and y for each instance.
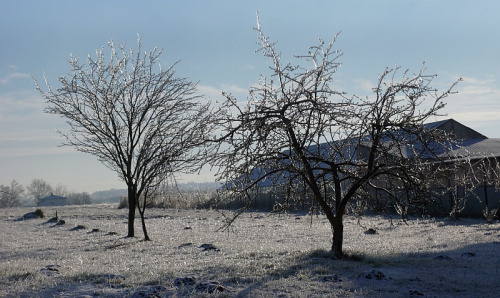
(234, 89)
(215, 93)
(14, 76)
(477, 81)
(42, 149)
(476, 105)
(475, 96)
(364, 86)
(20, 105)
(209, 91)
(476, 116)
(248, 67)
(24, 127)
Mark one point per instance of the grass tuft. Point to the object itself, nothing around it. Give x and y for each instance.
(39, 213)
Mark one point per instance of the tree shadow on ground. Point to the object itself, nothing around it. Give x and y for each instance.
(465, 272)
(468, 271)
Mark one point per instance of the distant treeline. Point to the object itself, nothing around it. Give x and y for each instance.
(191, 188)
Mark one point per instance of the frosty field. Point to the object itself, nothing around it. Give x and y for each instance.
(260, 256)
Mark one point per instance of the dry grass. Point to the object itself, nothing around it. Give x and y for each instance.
(263, 256)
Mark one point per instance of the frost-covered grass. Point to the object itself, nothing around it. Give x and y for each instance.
(263, 256)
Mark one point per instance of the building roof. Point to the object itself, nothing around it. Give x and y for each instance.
(53, 197)
(479, 148)
(470, 144)
(456, 129)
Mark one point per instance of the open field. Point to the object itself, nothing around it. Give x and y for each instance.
(261, 256)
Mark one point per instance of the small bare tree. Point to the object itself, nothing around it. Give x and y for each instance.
(297, 131)
(136, 117)
(480, 173)
(462, 182)
(491, 176)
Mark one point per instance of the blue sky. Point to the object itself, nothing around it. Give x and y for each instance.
(215, 44)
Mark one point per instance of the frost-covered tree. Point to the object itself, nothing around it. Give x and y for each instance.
(138, 118)
(60, 190)
(39, 188)
(313, 141)
(10, 195)
(78, 198)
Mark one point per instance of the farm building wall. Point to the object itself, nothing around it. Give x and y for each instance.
(52, 201)
(268, 198)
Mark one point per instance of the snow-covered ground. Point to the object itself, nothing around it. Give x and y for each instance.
(260, 256)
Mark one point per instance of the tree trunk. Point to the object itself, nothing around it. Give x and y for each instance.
(146, 236)
(338, 237)
(132, 204)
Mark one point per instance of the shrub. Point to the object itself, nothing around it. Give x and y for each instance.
(123, 203)
(490, 215)
(39, 212)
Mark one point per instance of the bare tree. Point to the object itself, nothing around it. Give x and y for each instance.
(301, 134)
(10, 195)
(39, 188)
(136, 117)
(60, 190)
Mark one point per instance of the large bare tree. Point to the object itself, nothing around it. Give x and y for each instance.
(138, 118)
(313, 141)
(39, 188)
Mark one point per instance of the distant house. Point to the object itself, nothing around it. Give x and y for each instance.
(52, 200)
